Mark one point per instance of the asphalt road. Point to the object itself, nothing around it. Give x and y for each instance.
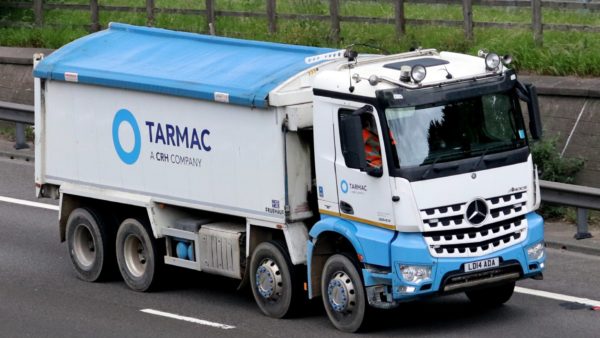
(40, 295)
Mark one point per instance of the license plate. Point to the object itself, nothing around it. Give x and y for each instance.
(482, 264)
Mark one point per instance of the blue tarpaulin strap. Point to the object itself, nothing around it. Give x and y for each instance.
(178, 63)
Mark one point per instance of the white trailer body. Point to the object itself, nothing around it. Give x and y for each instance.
(205, 155)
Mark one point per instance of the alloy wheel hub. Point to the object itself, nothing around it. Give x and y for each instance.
(341, 293)
(268, 279)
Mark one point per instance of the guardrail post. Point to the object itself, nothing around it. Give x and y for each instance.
(334, 11)
(20, 143)
(468, 19)
(210, 16)
(536, 22)
(38, 12)
(95, 17)
(582, 225)
(150, 13)
(272, 15)
(400, 20)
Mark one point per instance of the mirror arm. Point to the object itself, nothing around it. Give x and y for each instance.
(535, 120)
(522, 92)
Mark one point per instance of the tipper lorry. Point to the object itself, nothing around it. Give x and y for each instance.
(366, 180)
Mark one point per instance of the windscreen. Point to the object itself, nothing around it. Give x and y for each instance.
(436, 133)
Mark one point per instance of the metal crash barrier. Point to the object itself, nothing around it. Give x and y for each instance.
(581, 197)
(21, 114)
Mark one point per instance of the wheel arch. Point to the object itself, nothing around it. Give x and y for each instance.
(329, 237)
(104, 208)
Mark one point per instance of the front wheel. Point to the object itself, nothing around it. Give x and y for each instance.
(137, 255)
(273, 280)
(343, 293)
(492, 297)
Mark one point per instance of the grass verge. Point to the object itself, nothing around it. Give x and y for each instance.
(563, 53)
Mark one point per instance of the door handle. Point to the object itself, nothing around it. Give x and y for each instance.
(346, 208)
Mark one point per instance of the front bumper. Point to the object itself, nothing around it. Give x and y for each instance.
(387, 288)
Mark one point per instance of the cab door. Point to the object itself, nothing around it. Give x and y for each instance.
(364, 191)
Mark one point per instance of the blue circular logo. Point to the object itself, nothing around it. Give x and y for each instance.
(344, 186)
(122, 116)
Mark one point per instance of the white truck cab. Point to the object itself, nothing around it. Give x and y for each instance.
(451, 207)
(250, 160)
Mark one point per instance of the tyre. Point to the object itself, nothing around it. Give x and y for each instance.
(89, 245)
(492, 297)
(343, 293)
(273, 279)
(138, 255)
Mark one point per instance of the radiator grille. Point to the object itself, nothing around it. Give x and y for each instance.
(448, 233)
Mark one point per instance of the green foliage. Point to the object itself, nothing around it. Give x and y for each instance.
(563, 53)
(30, 133)
(553, 167)
(7, 131)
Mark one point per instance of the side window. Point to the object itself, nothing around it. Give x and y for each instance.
(359, 140)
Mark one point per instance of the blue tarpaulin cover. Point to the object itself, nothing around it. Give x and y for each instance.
(178, 63)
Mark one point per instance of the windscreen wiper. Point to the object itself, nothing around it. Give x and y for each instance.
(432, 166)
(485, 151)
(480, 158)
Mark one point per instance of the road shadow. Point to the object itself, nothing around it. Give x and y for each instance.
(421, 317)
(199, 284)
(431, 316)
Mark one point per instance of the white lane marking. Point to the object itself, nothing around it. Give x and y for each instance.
(28, 203)
(557, 296)
(188, 319)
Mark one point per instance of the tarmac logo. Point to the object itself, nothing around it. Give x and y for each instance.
(128, 157)
(353, 188)
(344, 186)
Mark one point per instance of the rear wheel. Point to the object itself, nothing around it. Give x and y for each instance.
(137, 255)
(492, 297)
(273, 279)
(89, 245)
(343, 293)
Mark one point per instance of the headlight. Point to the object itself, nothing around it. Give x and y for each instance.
(535, 251)
(492, 61)
(418, 73)
(415, 273)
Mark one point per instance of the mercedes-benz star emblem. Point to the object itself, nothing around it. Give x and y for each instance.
(477, 212)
